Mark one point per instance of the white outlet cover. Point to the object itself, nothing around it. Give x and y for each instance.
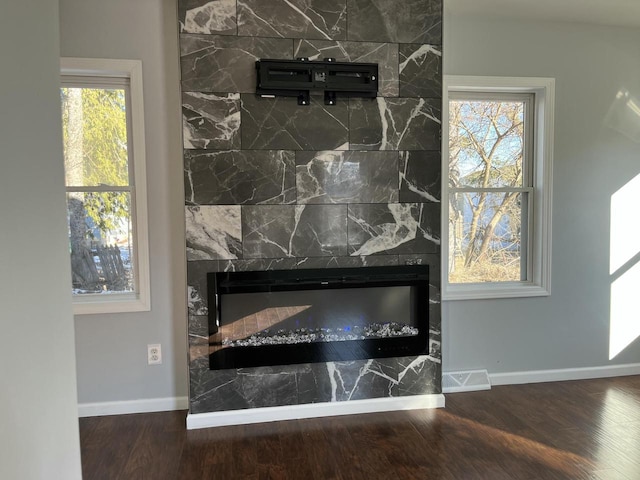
(154, 354)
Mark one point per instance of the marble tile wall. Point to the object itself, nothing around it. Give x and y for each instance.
(270, 184)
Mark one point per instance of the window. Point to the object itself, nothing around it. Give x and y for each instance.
(103, 135)
(497, 148)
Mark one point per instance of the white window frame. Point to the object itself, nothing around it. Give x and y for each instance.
(140, 300)
(538, 282)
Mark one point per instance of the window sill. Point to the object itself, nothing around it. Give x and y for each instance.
(116, 303)
(479, 291)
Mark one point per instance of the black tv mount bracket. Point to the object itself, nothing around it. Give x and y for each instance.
(298, 78)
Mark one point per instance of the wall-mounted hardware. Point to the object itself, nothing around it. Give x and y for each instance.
(298, 78)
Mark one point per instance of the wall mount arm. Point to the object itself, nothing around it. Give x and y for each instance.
(298, 78)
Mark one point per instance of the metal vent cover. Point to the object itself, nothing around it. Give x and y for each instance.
(465, 381)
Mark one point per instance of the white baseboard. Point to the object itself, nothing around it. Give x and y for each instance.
(133, 406)
(539, 376)
(311, 410)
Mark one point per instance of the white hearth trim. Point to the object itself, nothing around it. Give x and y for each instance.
(145, 405)
(540, 376)
(311, 410)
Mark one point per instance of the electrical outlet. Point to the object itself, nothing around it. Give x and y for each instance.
(154, 354)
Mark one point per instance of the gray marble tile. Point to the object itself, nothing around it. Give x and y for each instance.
(198, 330)
(326, 19)
(256, 264)
(215, 390)
(294, 230)
(218, 63)
(197, 285)
(267, 231)
(320, 230)
(384, 54)
(196, 301)
(378, 260)
(198, 359)
(210, 120)
(268, 389)
(358, 380)
(346, 262)
(420, 376)
(383, 377)
(239, 177)
(329, 386)
(213, 232)
(221, 390)
(346, 177)
(409, 21)
(435, 351)
(281, 124)
(420, 176)
(435, 339)
(394, 124)
(398, 228)
(420, 70)
(204, 16)
(314, 385)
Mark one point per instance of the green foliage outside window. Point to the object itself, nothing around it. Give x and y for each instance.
(97, 178)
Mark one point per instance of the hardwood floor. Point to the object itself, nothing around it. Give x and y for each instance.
(566, 430)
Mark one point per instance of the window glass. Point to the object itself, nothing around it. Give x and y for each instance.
(488, 188)
(99, 191)
(101, 244)
(486, 233)
(95, 136)
(486, 143)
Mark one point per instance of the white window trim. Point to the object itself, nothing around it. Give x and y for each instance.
(540, 283)
(131, 69)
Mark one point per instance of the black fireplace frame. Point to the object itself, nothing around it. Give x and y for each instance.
(225, 283)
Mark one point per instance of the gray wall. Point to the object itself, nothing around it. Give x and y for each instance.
(38, 416)
(111, 349)
(570, 328)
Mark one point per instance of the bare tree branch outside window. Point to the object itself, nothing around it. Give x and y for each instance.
(488, 194)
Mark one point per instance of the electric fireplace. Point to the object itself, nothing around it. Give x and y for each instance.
(304, 316)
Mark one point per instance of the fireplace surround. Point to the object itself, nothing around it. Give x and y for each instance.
(271, 185)
(287, 317)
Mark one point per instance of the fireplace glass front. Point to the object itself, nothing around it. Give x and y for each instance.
(302, 316)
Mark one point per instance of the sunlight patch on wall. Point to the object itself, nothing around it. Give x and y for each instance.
(625, 227)
(625, 311)
(624, 268)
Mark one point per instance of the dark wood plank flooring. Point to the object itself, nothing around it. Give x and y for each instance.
(565, 430)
